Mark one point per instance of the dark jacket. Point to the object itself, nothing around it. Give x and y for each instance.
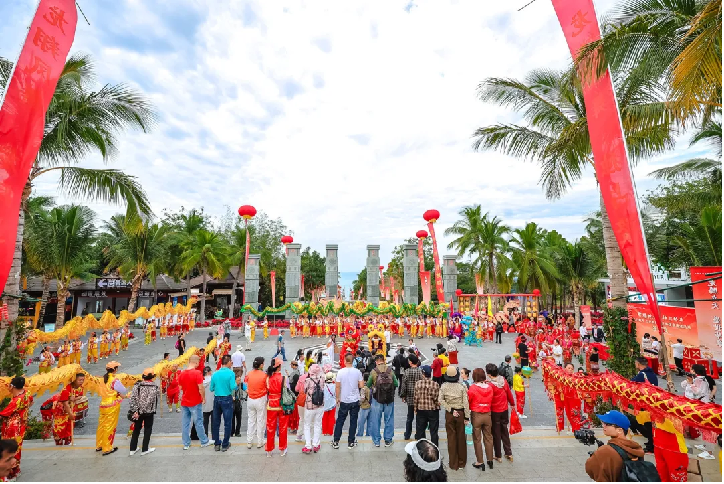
(646, 375)
(605, 464)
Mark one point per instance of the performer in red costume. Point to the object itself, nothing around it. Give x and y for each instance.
(569, 402)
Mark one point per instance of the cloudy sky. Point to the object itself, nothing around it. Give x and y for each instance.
(345, 119)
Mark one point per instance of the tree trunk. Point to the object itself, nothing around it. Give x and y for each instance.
(44, 298)
(135, 287)
(576, 303)
(203, 298)
(12, 285)
(188, 286)
(62, 295)
(614, 261)
(233, 294)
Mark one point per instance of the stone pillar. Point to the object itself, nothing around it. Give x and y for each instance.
(373, 274)
(411, 266)
(293, 277)
(450, 280)
(251, 283)
(331, 277)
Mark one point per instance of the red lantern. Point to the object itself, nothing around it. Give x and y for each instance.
(458, 292)
(287, 239)
(247, 212)
(421, 234)
(382, 268)
(431, 216)
(536, 292)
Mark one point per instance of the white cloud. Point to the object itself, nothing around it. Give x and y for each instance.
(345, 119)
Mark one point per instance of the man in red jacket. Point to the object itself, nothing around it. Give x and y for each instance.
(502, 397)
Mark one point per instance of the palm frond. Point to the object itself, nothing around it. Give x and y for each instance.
(694, 168)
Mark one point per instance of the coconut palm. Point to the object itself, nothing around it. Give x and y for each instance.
(68, 233)
(208, 253)
(184, 227)
(711, 134)
(555, 135)
(237, 252)
(34, 247)
(530, 256)
(137, 254)
(677, 41)
(578, 270)
(79, 122)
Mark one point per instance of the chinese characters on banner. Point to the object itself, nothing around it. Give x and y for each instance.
(677, 322)
(580, 27)
(273, 276)
(438, 270)
(708, 313)
(586, 313)
(22, 118)
(425, 283)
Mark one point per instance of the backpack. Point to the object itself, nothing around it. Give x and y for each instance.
(289, 400)
(318, 394)
(359, 363)
(177, 343)
(637, 470)
(504, 370)
(384, 390)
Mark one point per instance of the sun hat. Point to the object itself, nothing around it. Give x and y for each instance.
(112, 365)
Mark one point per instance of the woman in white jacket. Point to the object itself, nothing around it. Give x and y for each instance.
(697, 388)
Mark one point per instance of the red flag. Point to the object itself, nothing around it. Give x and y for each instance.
(382, 283)
(479, 286)
(22, 118)
(580, 26)
(301, 286)
(438, 271)
(425, 283)
(420, 255)
(273, 287)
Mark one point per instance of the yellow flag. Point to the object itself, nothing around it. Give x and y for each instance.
(490, 307)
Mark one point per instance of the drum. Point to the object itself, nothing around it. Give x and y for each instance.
(80, 409)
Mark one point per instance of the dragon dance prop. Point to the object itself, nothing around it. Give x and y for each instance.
(661, 404)
(80, 325)
(359, 308)
(59, 377)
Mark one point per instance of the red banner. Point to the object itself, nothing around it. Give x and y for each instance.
(301, 286)
(382, 284)
(586, 313)
(396, 296)
(479, 285)
(359, 296)
(425, 283)
(580, 26)
(421, 255)
(22, 118)
(678, 322)
(438, 270)
(273, 276)
(708, 312)
(246, 261)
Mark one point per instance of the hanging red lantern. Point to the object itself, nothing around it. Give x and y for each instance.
(458, 292)
(287, 239)
(382, 268)
(536, 292)
(246, 212)
(431, 216)
(421, 234)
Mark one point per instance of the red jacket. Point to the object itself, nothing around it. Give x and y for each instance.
(480, 397)
(502, 396)
(437, 367)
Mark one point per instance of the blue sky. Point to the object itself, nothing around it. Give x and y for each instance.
(346, 119)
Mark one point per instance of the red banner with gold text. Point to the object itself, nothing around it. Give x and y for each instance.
(22, 118)
(580, 26)
(678, 322)
(708, 312)
(425, 284)
(420, 255)
(438, 271)
(273, 277)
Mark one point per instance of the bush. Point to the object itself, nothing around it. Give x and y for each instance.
(11, 363)
(599, 408)
(621, 340)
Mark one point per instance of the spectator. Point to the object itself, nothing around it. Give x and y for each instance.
(407, 391)
(274, 414)
(523, 352)
(427, 408)
(364, 409)
(645, 375)
(388, 339)
(454, 399)
(506, 370)
(330, 405)
(144, 404)
(678, 351)
(313, 413)
(239, 398)
(499, 333)
(480, 397)
(382, 383)
(423, 463)
(452, 349)
(696, 388)
(605, 463)
(238, 361)
(193, 396)
(8, 462)
(465, 377)
(280, 347)
(181, 345)
(502, 398)
(294, 376)
(308, 360)
(256, 403)
(207, 408)
(223, 384)
(347, 394)
(598, 338)
(397, 362)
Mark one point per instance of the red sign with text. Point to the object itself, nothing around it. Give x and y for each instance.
(677, 322)
(586, 313)
(708, 311)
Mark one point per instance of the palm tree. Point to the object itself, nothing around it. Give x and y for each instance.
(137, 254)
(35, 248)
(237, 251)
(677, 41)
(710, 133)
(68, 233)
(578, 271)
(183, 236)
(556, 135)
(535, 266)
(80, 122)
(209, 253)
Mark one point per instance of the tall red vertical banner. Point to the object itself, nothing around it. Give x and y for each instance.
(273, 276)
(420, 254)
(301, 287)
(708, 308)
(479, 286)
(580, 26)
(22, 117)
(425, 283)
(382, 282)
(438, 270)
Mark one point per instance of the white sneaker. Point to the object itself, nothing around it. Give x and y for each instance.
(705, 455)
(206, 444)
(150, 449)
(522, 416)
(187, 447)
(284, 452)
(133, 452)
(299, 438)
(700, 447)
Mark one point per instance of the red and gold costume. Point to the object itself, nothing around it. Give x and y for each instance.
(110, 409)
(46, 362)
(224, 349)
(62, 422)
(77, 346)
(568, 401)
(124, 338)
(185, 325)
(92, 349)
(14, 424)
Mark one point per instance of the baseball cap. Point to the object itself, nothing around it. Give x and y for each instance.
(614, 417)
(427, 370)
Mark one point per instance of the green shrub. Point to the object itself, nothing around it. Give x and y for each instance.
(623, 347)
(599, 408)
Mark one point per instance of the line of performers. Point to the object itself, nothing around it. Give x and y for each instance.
(168, 327)
(99, 347)
(325, 326)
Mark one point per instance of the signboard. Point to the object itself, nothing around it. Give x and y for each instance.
(112, 283)
(586, 314)
(677, 322)
(708, 312)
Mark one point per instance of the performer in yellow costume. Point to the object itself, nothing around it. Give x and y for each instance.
(92, 348)
(305, 329)
(124, 338)
(110, 409)
(147, 335)
(444, 328)
(266, 328)
(252, 324)
(64, 357)
(116, 342)
(292, 328)
(46, 361)
(104, 345)
(77, 346)
(164, 329)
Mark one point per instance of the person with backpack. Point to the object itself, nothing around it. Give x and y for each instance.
(382, 382)
(506, 370)
(313, 388)
(620, 458)
(275, 414)
(499, 333)
(330, 404)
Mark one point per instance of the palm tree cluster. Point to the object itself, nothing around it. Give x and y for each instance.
(665, 61)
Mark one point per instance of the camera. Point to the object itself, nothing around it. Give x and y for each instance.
(586, 437)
